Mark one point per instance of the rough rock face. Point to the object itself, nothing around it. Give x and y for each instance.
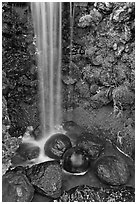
(9, 143)
(105, 31)
(112, 170)
(47, 178)
(19, 65)
(16, 188)
(28, 151)
(92, 194)
(90, 144)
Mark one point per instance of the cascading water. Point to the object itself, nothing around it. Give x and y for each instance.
(47, 20)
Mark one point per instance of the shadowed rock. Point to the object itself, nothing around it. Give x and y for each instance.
(94, 194)
(47, 178)
(112, 170)
(16, 187)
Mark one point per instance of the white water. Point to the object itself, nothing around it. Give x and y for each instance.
(47, 20)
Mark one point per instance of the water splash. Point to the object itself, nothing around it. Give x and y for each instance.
(47, 20)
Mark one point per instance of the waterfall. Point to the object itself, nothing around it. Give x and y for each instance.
(47, 20)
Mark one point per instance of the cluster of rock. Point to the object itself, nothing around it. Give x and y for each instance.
(103, 55)
(92, 194)
(69, 157)
(19, 66)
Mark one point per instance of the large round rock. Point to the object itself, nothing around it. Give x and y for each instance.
(112, 170)
(16, 187)
(56, 145)
(76, 160)
(47, 178)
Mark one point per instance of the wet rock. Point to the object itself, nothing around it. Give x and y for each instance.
(83, 88)
(75, 160)
(56, 145)
(69, 80)
(93, 194)
(90, 50)
(106, 77)
(123, 13)
(46, 178)
(5, 117)
(91, 74)
(127, 32)
(5, 83)
(121, 71)
(126, 139)
(122, 96)
(112, 170)
(100, 99)
(84, 103)
(85, 21)
(70, 73)
(28, 151)
(96, 16)
(104, 7)
(94, 88)
(75, 50)
(17, 160)
(90, 19)
(22, 115)
(9, 147)
(119, 50)
(72, 129)
(16, 188)
(93, 146)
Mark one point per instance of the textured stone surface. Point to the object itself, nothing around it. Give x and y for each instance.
(112, 170)
(91, 144)
(16, 188)
(47, 178)
(92, 194)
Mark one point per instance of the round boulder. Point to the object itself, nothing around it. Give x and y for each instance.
(112, 170)
(56, 145)
(76, 160)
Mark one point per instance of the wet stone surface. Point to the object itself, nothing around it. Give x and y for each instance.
(112, 170)
(46, 178)
(28, 151)
(76, 160)
(91, 194)
(90, 144)
(56, 145)
(16, 187)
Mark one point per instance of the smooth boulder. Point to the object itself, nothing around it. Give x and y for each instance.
(112, 170)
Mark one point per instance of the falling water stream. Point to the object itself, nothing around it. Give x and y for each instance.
(47, 20)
